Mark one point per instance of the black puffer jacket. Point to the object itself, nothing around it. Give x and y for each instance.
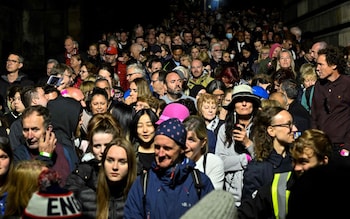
(83, 182)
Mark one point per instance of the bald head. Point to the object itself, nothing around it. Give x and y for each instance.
(74, 93)
(317, 47)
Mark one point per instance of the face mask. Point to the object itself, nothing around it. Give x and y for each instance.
(229, 36)
(232, 56)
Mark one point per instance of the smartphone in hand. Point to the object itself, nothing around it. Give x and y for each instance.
(54, 80)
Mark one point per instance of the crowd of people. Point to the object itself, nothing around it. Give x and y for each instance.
(153, 122)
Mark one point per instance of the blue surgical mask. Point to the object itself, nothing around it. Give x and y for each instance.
(229, 36)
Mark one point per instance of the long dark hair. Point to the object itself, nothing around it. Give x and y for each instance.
(152, 115)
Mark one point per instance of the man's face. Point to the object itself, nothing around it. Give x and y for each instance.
(156, 66)
(158, 86)
(66, 82)
(166, 151)
(131, 74)
(13, 64)
(33, 130)
(177, 54)
(102, 49)
(173, 83)
(111, 58)
(49, 67)
(107, 75)
(314, 51)
(188, 38)
(306, 160)
(196, 68)
(69, 45)
(323, 70)
(41, 98)
(103, 84)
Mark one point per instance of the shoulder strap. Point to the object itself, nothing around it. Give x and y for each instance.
(144, 182)
(205, 162)
(197, 181)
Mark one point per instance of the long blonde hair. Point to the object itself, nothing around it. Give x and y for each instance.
(24, 182)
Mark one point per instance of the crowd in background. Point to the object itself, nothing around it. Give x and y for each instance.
(123, 123)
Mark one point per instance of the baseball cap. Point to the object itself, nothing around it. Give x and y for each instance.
(111, 51)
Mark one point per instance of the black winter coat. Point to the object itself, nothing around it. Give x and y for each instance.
(83, 182)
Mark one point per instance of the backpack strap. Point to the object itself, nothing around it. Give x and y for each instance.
(195, 176)
(144, 182)
(197, 181)
(205, 162)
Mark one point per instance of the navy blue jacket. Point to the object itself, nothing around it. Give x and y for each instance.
(170, 193)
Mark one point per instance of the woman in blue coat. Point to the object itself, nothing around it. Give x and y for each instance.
(170, 189)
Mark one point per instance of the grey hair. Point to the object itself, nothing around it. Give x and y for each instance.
(138, 68)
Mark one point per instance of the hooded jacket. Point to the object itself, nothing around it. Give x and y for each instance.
(65, 116)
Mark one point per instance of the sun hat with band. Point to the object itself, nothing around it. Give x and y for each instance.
(243, 92)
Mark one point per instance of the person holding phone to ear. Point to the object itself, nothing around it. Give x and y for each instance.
(41, 142)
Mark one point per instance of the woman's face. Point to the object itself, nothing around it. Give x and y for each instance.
(219, 94)
(275, 52)
(193, 146)
(145, 128)
(99, 104)
(99, 143)
(133, 92)
(4, 163)
(227, 99)
(116, 164)
(244, 108)
(194, 53)
(17, 103)
(285, 60)
(283, 128)
(209, 110)
(84, 74)
(226, 57)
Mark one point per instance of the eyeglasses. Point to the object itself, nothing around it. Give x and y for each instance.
(13, 61)
(285, 125)
(129, 75)
(217, 50)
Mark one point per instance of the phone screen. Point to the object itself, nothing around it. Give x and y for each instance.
(54, 81)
